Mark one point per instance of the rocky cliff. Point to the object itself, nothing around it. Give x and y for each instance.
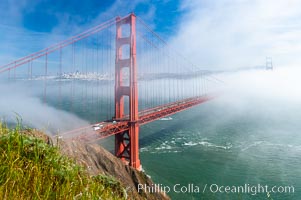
(97, 160)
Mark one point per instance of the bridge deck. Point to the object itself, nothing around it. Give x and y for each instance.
(104, 129)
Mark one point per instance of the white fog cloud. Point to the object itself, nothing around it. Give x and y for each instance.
(230, 34)
(17, 101)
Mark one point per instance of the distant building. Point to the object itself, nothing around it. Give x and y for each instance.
(269, 63)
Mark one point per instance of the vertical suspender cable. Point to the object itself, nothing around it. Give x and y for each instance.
(60, 78)
(45, 76)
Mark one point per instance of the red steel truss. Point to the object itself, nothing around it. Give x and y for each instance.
(126, 127)
(122, 127)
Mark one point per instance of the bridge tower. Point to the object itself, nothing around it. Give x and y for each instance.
(269, 63)
(127, 142)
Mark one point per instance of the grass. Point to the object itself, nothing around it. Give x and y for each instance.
(32, 169)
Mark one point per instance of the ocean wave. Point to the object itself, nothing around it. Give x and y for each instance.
(179, 144)
(208, 144)
(161, 152)
(252, 145)
(190, 143)
(165, 119)
(144, 149)
(164, 147)
(270, 144)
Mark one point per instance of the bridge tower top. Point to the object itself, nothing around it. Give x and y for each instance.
(269, 63)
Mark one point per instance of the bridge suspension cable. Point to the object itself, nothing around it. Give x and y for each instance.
(82, 75)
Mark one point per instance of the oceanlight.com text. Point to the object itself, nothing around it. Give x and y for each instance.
(216, 188)
(248, 189)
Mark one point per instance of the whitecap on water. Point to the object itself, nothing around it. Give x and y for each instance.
(143, 149)
(166, 119)
(163, 146)
(190, 143)
(208, 144)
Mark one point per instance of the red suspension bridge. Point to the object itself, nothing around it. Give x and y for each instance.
(95, 74)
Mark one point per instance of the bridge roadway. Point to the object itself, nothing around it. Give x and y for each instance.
(108, 128)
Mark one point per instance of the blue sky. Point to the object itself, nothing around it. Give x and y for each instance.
(164, 14)
(57, 16)
(29, 25)
(212, 34)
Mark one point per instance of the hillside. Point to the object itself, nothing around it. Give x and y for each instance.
(97, 160)
(32, 167)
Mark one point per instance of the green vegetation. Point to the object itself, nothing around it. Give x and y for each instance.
(32, 169)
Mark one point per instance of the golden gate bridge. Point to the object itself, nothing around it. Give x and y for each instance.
(128, 76)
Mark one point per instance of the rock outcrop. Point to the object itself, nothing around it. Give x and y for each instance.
(97, 160)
